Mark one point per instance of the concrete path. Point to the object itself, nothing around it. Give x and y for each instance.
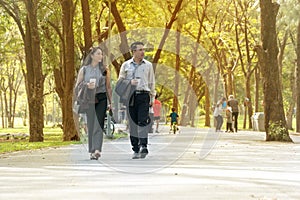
(194, 164)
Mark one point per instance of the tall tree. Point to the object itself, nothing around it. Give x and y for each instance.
(245, 38)
(34, 74)
(298, 79)
(9, 86)
(177, 67)
(11, 76)
(64, 63)
(87, 27)
(65, 74)
(34, 77)
(124, 47)
(166, 33)
(275, 123)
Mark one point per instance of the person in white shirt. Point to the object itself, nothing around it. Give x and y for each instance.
(141, 74)
(218, 114)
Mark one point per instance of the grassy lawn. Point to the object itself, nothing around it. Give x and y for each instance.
(52, 138)
(201, 121)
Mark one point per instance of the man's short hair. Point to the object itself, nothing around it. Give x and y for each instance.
(134, 45)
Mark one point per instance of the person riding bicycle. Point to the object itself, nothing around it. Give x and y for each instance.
(174, 117)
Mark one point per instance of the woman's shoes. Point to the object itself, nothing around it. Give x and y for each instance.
(93, 157)
(96, 155)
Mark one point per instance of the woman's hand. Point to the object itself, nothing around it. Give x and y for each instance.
(91, 85)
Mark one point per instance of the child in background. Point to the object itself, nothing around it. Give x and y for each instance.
(229, 119)
(174, 117)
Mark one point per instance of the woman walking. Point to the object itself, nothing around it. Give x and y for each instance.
(97, 78)
(218, 114)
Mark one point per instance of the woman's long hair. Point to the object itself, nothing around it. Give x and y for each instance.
(88, 60)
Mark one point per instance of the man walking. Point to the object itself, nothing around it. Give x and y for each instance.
(157, 109)
(141, 75)
(234, 104)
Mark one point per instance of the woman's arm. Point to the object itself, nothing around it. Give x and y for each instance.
(79, 77)
(108, 88)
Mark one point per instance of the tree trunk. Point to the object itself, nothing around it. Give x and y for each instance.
(292, 101)
(206, 91)
(229, 79)
(87, 27)
(166, 33)
(184, 112)
(207, 107)
(121, 28)
(66, 73)
(2, 110)
(257, 87)
(34, 76)
(298, 80)
(192, 110)
(177, 67)
(249, 100)
(245, 115)
(124, 46)
(275, 123)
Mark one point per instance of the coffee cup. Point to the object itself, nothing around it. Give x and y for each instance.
(138, 80)
(93, 80)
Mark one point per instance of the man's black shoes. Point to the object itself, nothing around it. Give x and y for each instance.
(136, 155)
(142, 154)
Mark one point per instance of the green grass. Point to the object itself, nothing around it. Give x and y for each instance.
(53, 137)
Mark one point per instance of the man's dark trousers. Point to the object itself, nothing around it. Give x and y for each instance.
(139, 121)
(235, 118)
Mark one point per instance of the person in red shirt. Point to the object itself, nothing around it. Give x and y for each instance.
(156, 109)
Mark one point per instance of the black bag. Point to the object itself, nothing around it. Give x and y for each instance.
(80, 108)
(81, 104)
(124, 90)
(82, 97)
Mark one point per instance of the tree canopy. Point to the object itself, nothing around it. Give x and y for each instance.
(201, 51)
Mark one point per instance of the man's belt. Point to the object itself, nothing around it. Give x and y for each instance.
(142, 92)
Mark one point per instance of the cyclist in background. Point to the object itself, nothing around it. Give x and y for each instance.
(174, 117)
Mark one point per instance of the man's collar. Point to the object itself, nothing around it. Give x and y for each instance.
(132, 61)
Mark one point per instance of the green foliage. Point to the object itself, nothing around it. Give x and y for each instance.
(218, 40)
(278, 132)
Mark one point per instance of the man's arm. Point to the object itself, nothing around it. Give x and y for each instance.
(122, 73)
(152, 84)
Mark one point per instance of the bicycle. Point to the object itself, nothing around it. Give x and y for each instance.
(111, 127)
(174, 128)
(109, 130)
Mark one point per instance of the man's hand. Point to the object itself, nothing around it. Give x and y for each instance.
(134, 82)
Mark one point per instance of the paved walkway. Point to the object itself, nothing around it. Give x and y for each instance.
(194, 164)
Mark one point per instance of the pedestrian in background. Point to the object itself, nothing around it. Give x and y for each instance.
(218, 114)
(234, 104)
(157, 111)
(229, 119)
